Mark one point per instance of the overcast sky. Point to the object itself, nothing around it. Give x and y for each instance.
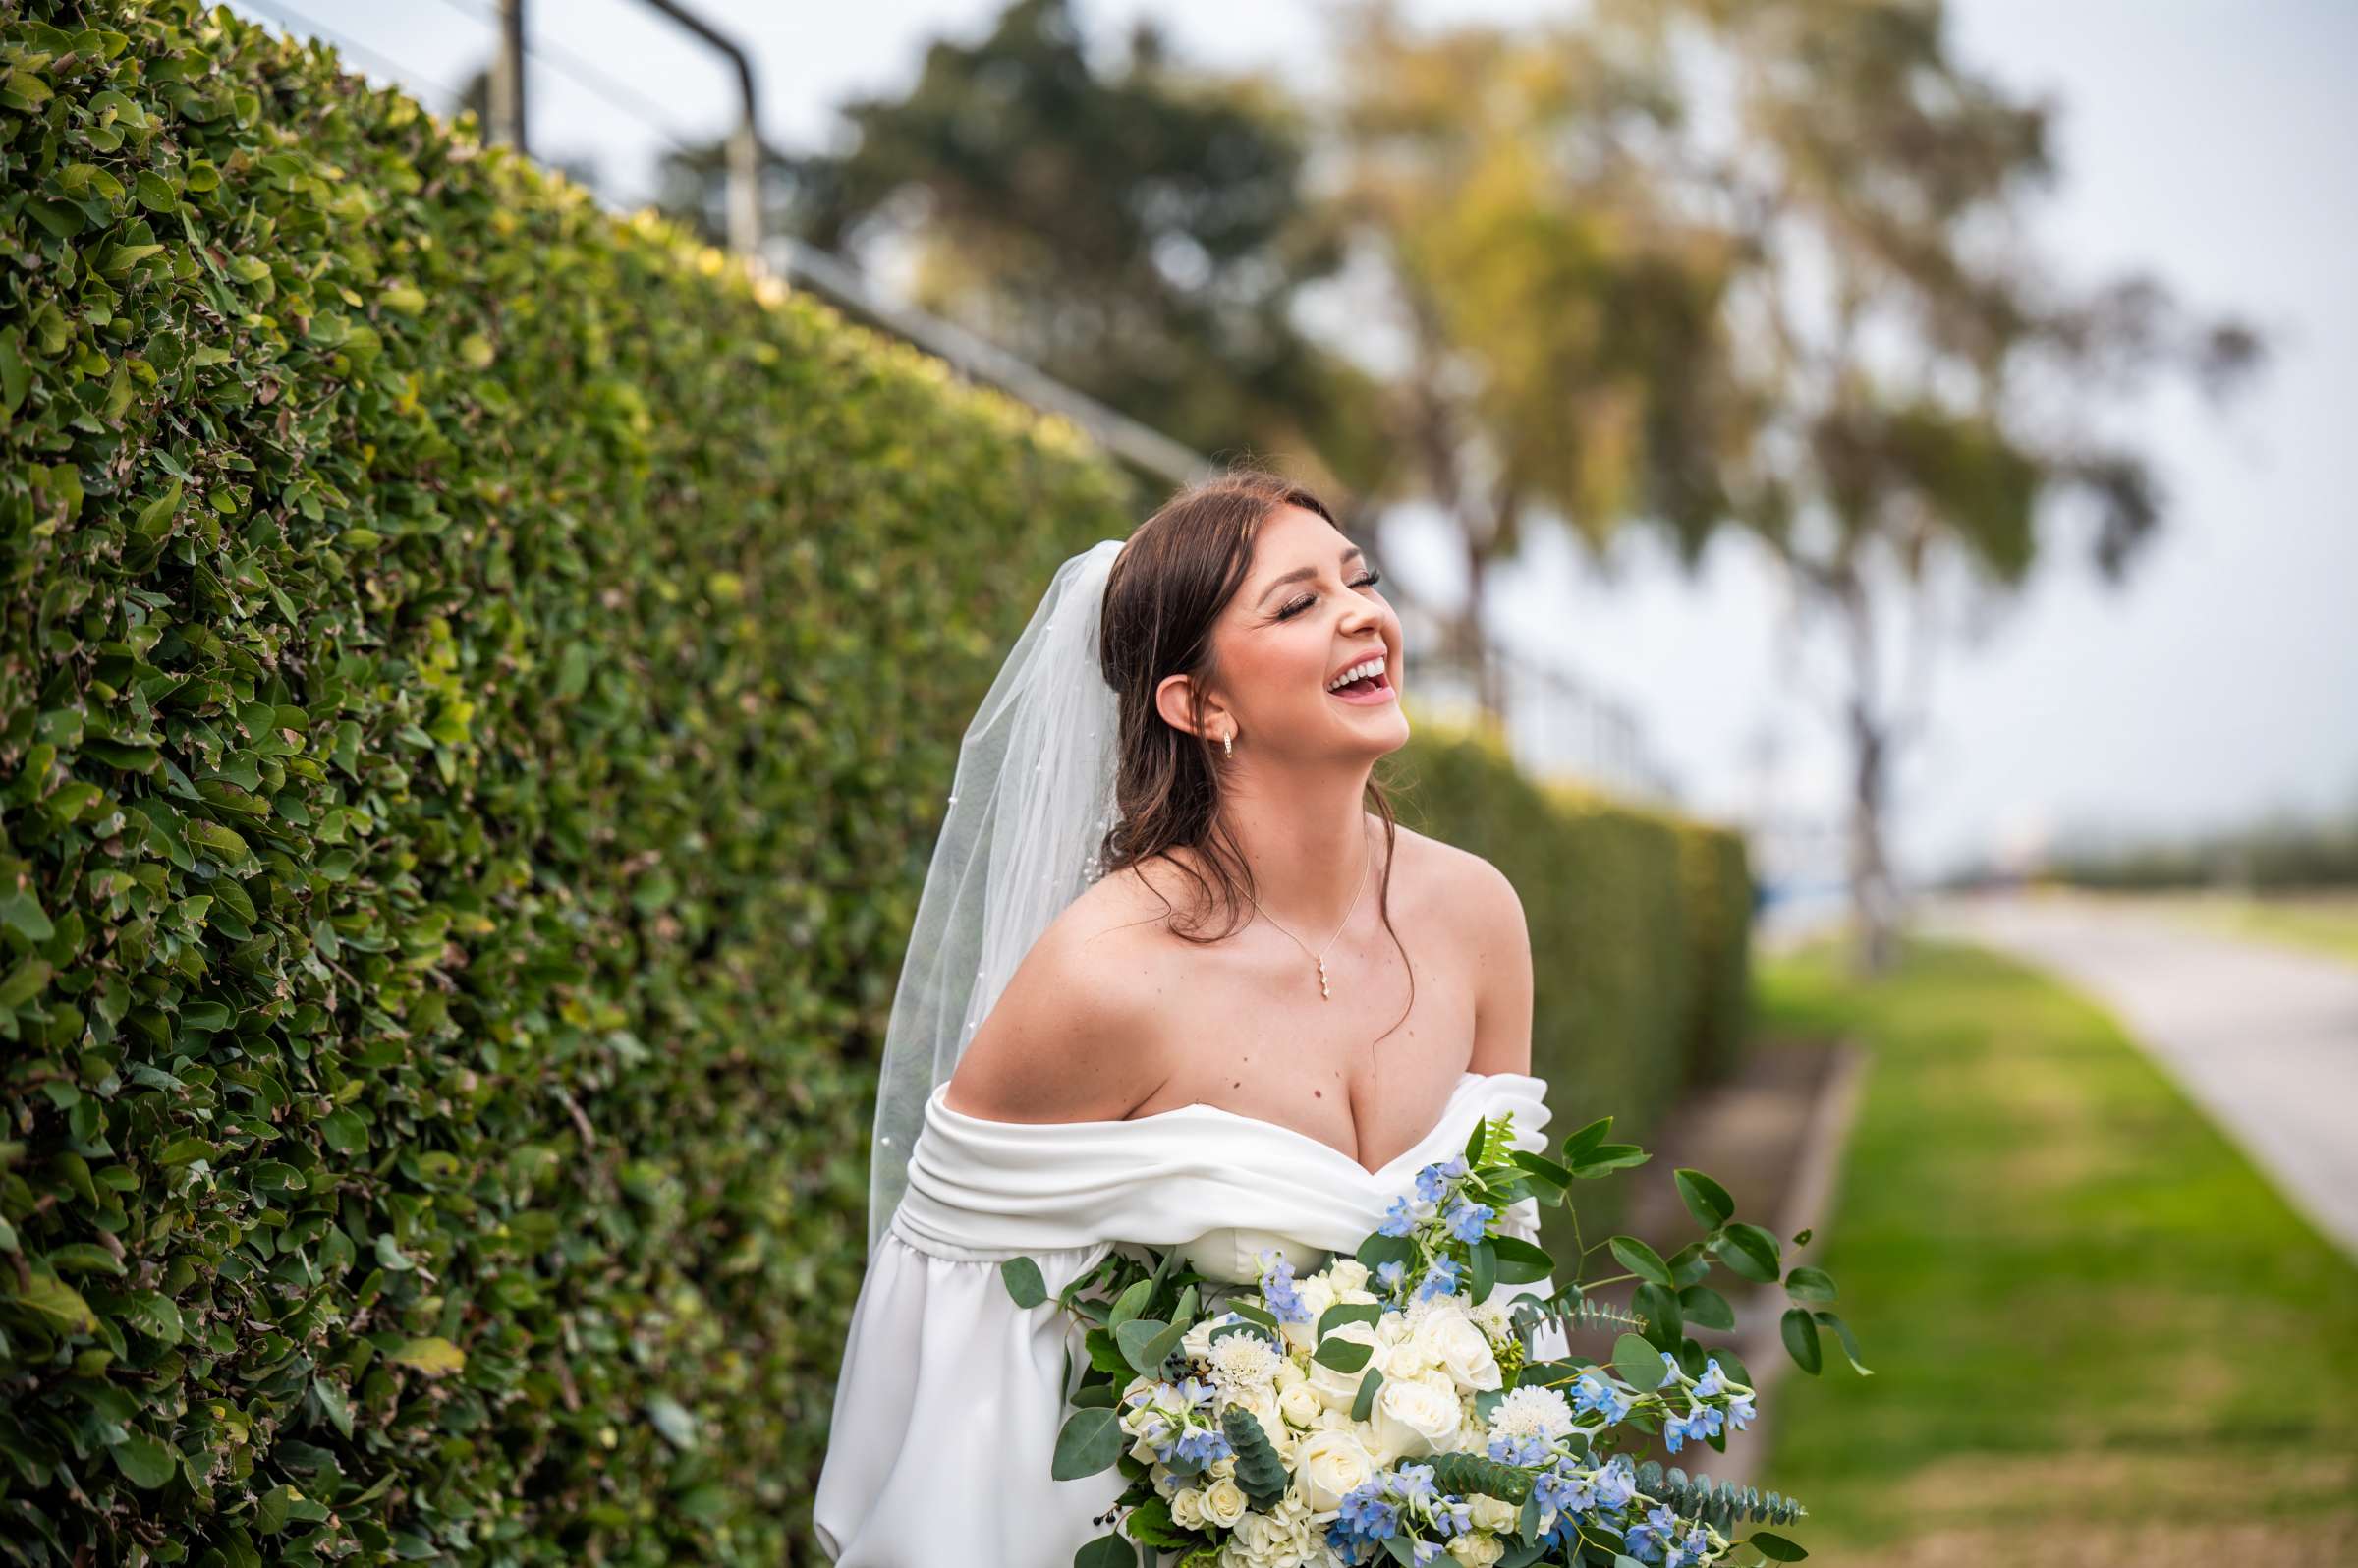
(2207, 141)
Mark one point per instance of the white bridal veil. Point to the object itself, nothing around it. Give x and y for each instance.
(1028, 811)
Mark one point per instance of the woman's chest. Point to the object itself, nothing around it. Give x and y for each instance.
(1363, 1065)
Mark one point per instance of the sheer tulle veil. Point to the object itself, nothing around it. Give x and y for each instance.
(1028, 811)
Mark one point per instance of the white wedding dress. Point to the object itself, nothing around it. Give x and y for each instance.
(950, 1396)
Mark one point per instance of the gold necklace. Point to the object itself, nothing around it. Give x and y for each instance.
(1320, 955)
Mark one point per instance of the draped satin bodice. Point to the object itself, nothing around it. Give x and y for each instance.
(937, 1345)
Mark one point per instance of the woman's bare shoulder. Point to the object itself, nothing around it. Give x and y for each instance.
(1459, 884)
(1074, 1036)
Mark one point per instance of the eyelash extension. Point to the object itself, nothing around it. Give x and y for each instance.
(1372, 578)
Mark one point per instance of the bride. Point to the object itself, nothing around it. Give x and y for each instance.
(1171, 983)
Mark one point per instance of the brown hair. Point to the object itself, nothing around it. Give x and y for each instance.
(1167, 587)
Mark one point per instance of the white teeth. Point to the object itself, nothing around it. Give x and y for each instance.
(1364, 668)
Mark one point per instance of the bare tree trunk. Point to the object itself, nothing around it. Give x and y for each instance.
(1472, 646)
(1875, 915)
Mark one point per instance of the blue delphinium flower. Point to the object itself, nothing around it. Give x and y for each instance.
(1366, 1513)
(1616, 1484)
(1649, 1540)
(1466, 1220)
(1440, 1279)
(1739, 1411)
(1202, 1445)
(1554, 1489)
(1579, 1493)
(1592, 1392)
(1713, 1381)
(1398, 1221)
(1392, 1272)
(1414, 1483)
(1278, 1288)
(1691, 1550)
(1699, 1423)
(1431, 1184)
(1529, 1449)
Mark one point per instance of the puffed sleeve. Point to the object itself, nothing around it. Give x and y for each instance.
(946, 1412)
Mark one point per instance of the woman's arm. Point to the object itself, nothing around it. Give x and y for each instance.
(1499, 943)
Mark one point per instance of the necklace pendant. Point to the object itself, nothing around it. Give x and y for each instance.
(1324, 996)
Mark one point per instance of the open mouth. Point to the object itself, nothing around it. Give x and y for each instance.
(1377, 687)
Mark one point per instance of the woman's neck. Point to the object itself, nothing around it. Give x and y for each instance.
(1309, 846)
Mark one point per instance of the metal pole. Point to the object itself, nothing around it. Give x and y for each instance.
(745, 143)
(507, 77)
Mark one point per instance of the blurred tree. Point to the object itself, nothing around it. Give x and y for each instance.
(1136, 231)
(1566, 346)
(1931, 390)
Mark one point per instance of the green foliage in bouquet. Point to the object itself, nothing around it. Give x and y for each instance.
(1219, 1442)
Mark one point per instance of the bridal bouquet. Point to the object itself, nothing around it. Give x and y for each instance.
(1387, 1408)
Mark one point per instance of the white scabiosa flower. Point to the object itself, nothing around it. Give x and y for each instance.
(1540, 1413)
(1243, 1368)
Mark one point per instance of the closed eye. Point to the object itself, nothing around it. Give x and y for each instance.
(1371, 578)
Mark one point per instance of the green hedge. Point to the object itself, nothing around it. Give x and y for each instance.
(1640, 921)
(476, 683)
(477, 678)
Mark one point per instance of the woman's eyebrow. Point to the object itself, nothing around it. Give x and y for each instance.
(1301, 572)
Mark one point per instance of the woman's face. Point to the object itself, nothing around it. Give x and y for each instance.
(1309, 610)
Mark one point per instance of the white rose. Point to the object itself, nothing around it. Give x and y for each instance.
(1143, 1451)
(1347, 1274)
(1300, 1404)
(1289, 1372)
(1458, 1347)
(1337, 1390)
(1391, 1329)
(1222, 1465)
(1187, 1508)
(1492, 1513)
(1406, 1360)
(1412, 1419)
(1477, 1552)
(1224, 1502)
(1329, 1464)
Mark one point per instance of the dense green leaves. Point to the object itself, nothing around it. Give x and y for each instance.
(478, 686)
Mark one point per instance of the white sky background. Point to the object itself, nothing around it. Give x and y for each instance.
(2209, 141)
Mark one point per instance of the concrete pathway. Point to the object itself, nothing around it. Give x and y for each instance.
(2263, 1037)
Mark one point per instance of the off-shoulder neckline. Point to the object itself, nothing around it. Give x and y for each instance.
(938, 1105)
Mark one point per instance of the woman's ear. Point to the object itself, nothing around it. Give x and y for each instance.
(1176, 700)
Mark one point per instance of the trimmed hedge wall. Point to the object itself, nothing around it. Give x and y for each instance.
(476, 682)
(475, 685)
(1641, 933)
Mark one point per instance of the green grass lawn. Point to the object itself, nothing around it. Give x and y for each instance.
(2099, 1337)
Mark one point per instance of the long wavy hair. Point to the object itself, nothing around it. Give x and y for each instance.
(1167, 587)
